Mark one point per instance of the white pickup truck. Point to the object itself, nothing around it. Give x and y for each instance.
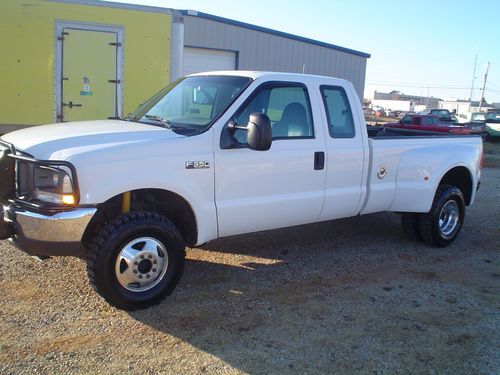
(219, 154)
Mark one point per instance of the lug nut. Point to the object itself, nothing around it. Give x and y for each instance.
(147, 276)
(154, 262)
(142, 256)
(135, 271)
(140, 276)
(136, 263)
(154, 270)
(150, 256)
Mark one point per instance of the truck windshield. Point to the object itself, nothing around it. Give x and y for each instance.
(190, 105)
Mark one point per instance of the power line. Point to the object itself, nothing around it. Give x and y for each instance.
(418, 86)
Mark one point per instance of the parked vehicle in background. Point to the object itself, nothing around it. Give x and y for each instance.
(492, 123)
(428, 123)
(464, 118)
(476, 121)
(443, 114)
(219, 154)
(448, 118)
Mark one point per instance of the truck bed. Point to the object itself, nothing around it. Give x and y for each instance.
(406, 167)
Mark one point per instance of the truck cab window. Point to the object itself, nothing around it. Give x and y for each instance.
(286, 105)
(338, 112)
(190, 105)
(407, 120)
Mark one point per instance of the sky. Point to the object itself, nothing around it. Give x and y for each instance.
(418, 47)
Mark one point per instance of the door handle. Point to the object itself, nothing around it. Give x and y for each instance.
(71, 105)
(319, 160)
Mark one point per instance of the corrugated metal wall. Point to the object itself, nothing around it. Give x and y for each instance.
(263, 51)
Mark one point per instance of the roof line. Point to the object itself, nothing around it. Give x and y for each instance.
(266, 30)
(109, 4)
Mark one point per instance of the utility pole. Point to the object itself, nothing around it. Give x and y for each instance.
(484, 86)
(473, 79)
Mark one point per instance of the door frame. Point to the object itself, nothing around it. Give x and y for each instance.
(60, 25)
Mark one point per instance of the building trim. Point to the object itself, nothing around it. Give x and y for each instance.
(266, 30)
(109, 4)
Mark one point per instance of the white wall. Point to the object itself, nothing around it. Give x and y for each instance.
(394, 105)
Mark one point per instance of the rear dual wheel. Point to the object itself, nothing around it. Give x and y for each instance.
(442, 224)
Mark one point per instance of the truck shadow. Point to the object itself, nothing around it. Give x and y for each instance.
(356, 231)
(282, 301)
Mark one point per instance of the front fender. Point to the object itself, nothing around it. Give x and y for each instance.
(106, 173)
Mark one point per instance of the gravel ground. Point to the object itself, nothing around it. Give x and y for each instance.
(347, 296)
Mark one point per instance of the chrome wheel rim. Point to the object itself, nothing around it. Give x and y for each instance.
(448, 218)
(141, 264)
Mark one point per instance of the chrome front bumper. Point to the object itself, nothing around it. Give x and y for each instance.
(54, 233)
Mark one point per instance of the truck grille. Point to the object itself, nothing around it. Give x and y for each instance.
(7, 174)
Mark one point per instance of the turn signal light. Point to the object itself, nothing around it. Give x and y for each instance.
(68, 199)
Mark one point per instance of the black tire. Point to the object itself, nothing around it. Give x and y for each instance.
(108, 246)
(410, 223)
(430, 230)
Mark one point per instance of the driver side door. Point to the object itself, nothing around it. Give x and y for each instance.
(283, 186)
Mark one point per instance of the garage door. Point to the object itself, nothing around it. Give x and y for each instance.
(205, 60)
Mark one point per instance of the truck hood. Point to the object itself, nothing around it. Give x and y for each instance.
(60, 141)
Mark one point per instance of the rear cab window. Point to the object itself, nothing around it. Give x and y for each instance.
(338, 112)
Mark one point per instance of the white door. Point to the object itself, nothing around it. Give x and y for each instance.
(283, 186)
(346, 158)
(198, 60)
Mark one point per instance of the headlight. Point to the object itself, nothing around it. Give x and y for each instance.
(46, 183)
(53, 185)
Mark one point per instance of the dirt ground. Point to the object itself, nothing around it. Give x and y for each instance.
(346, 296)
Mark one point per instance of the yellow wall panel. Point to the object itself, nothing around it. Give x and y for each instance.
(27, 55)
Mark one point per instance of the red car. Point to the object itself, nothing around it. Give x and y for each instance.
(428, 123)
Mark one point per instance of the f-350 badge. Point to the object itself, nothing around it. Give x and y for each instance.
(200, 164)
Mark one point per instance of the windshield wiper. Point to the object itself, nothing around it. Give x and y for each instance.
(130, 117)
(163, 120)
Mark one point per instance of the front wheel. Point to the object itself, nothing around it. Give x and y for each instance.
(442, 224)
(136, 260)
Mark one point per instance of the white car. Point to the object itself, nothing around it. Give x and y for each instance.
(220, 154)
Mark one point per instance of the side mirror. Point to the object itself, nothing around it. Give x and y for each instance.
(259, 132)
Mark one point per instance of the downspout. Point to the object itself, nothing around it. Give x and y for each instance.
(176, 45)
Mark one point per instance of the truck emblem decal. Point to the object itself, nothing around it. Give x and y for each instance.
(382, 172)
(200, 164)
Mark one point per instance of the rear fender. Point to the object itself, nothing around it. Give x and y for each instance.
(421, 171)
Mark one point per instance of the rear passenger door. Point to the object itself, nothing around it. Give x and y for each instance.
(259, 190)
(345, 155)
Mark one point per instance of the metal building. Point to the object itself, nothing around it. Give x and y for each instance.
(216, 43)
(71, 60)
